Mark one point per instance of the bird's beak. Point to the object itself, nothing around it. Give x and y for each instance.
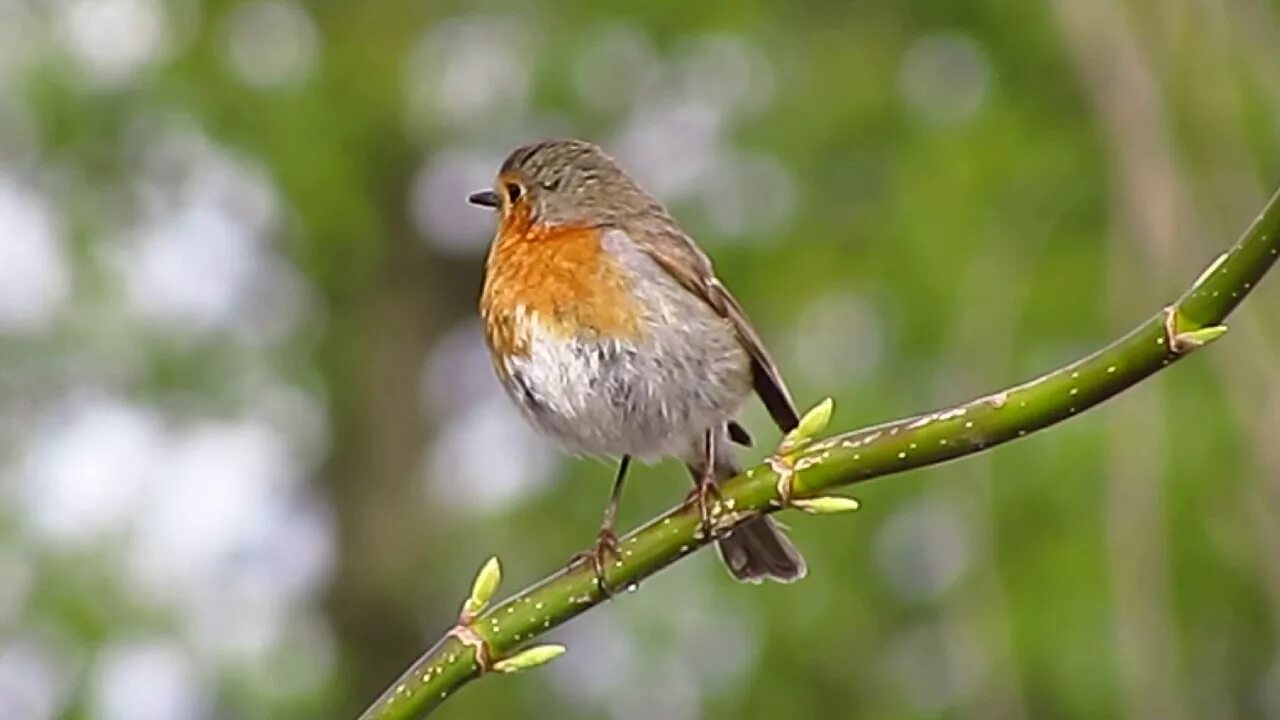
(484, 198)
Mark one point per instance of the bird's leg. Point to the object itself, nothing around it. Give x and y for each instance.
(606, 539)
(706, 486)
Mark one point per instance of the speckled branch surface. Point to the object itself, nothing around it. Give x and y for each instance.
(487, 641)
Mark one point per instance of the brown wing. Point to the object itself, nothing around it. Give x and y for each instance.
(677, 254)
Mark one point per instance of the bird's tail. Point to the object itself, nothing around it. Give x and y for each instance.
(758, 549)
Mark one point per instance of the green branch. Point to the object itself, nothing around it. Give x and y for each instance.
(486, 641)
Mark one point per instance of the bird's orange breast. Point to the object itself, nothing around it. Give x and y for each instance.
(558, 279)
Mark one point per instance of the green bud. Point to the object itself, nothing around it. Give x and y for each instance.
(484, 588)
(813, 422)
(1193, 339)
(826, 505)
(531, 658)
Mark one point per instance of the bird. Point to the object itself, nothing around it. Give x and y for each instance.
(612, 334)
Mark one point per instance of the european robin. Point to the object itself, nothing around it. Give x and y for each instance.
(610, 331)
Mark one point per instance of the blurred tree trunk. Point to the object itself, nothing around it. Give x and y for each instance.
(379, 436)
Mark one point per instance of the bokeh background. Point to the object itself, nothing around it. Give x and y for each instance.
(251, 451)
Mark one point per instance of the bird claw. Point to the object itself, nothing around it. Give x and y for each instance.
(606, 545)
(702, 494)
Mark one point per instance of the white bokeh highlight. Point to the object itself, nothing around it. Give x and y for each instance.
(461, 469)
(153, 679)
(747, 195)
(201, 257)
(469, 70)
(465, 473)
(223, 484)
(923, 549)
(112, 41)
(945, 77)
(457, 374)
(931, 669)
(838, 338)
(35, 275)
(438, 201)
(272, 44)
(727, 71)
(617, 66)
(190, 268)
(35, 678)
(87, 471)
(671, 145)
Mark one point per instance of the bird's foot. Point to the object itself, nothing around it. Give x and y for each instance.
(606, 548)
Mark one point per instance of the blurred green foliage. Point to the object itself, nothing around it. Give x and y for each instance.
(969, 193)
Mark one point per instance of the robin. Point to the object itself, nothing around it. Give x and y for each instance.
(609, 329)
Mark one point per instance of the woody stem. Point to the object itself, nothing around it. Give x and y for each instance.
(852, 457)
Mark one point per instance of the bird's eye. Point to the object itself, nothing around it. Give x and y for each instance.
(513, 192)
